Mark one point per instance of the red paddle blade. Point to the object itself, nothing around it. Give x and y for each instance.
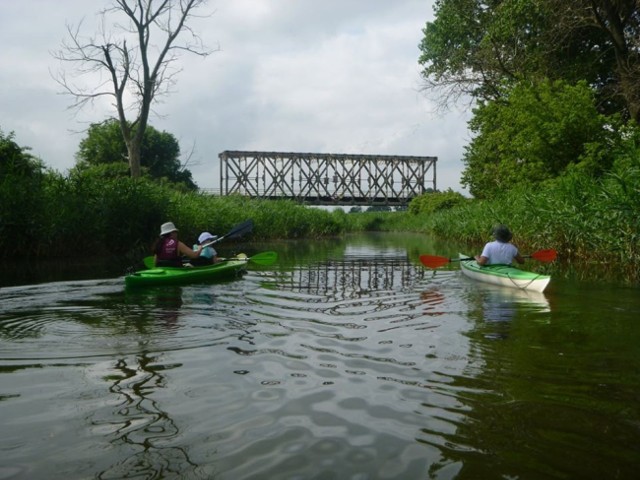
(548, 255)
(433, 261)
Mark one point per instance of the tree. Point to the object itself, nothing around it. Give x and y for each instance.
(474, 48)
(534, 135)
(379, 208)
(159, 152)
(17, 160)
(21, 197)
(431, 202)
(610, 31)
(136, 75)
(481, 48)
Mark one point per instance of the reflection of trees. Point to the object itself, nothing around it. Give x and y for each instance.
(141, 426)
(165, 303)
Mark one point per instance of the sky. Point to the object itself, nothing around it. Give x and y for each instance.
(317, 76)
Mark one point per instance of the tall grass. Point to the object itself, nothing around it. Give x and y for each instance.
(88, 215)
(587, 220)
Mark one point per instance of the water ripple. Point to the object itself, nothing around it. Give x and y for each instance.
(369, 368)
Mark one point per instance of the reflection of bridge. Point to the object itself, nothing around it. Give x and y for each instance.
(354, 277)
(327, 179)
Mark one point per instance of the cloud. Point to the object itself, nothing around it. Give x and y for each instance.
(289, 75)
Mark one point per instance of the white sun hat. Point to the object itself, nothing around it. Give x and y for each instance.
(206, 236)
(167, 228)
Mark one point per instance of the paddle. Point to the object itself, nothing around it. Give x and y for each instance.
(264, 258)
(434, 261)
(237, 231)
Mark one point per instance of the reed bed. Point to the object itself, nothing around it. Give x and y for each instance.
(587, 220)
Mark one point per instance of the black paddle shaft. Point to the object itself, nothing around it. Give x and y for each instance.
(236, 232)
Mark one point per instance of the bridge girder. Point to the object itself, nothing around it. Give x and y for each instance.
(327, 178)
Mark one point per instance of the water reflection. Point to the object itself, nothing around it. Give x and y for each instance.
(140, 429)
(355, 276)
(349, 363)
(495, 307)
(162, 304)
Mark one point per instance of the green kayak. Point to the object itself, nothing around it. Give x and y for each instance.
(504, 275)
(182, 275)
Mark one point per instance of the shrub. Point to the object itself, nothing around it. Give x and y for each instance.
(433, 202)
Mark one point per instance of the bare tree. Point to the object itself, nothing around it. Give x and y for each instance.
(131, 69)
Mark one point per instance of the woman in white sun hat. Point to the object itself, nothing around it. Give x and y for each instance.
(208, 255)
(169, 250)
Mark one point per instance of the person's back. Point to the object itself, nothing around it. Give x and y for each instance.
(167, 253)
(501, 251)
(169, 250)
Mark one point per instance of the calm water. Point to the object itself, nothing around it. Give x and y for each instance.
(344, 360)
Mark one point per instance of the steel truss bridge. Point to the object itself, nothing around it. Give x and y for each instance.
(327, 178)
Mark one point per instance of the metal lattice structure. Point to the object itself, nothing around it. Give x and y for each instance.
(327, 179)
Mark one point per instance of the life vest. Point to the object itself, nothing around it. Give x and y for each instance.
(167, 251)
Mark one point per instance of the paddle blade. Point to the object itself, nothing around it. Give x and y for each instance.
(433, 261)
(264, 258)
(149, 262)
(236, 232)
(240, 229)
(548, 255)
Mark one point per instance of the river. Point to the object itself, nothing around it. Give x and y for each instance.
(346, 359)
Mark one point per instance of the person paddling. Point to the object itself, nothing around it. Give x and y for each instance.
(501, 250)
(169, 250)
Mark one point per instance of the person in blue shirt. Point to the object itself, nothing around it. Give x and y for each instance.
(208, 255)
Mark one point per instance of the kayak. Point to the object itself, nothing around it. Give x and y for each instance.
(504, 275)
(182, 275)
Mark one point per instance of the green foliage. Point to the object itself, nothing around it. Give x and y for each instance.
(90, 214)
(288, 219)
(21, 203)
(160, 153)
(449, 39)
(535, 136)
(433, 202)
(15, 159)
(379, 208)
(96, 211)
(481, 49)
(584, 218)
(476, 48)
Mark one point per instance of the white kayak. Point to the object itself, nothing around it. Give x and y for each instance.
(504, 275)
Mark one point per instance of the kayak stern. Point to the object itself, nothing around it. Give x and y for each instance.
(184, 275)
(504, 275)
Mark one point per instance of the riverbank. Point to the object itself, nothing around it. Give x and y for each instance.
(588, 221)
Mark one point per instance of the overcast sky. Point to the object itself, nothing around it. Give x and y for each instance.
(320, 76)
